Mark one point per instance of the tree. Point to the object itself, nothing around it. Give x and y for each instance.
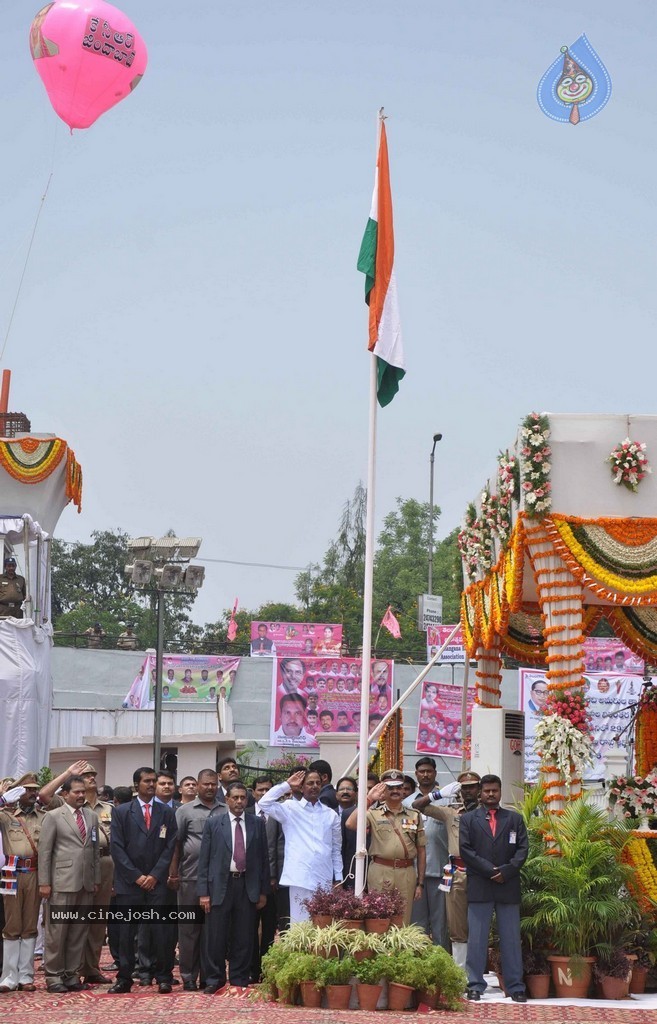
(89, 585)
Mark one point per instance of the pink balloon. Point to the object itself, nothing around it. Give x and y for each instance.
(89, 56)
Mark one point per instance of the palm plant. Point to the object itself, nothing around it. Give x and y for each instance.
(574, 891)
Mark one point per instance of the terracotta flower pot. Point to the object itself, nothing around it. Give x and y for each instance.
(568, 983)
(429, 999)
(377, 924)
(638, 979)
(397, 920)
(538, 985)
(363, 954)
(356, 926)
(368, 995)
(338, 996)
(399, 996)
(321, 920)
(615, 988)
(310, 994)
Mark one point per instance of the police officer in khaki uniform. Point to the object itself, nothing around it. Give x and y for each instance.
(12, 591)
(91, 973)
(397, 841)
(457, 896)
(21, 819)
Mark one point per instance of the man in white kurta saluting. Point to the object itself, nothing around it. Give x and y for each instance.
(313, 838)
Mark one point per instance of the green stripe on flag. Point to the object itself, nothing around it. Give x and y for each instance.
(367, 256)
(388, 378)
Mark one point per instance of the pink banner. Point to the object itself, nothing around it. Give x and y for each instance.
(185, 677)
(439, 721)
(307, 639)
(314, 695)
(454, 653)
(607, 654)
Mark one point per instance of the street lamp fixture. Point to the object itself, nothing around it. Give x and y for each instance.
(436, 439)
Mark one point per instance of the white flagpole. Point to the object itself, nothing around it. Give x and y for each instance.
(367, 616)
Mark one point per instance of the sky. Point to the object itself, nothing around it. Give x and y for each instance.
(191, 319)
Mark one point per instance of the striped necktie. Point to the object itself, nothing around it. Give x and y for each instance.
(82, 828)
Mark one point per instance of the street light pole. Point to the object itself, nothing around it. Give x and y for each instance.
(436, 439)
(157, 720)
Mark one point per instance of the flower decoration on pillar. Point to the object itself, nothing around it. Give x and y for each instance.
(646, 731)
(563, 736)
(629, 464)
(535, 465)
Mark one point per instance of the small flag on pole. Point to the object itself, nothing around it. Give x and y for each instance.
(390, 623)
(232, 625)
(376, 260)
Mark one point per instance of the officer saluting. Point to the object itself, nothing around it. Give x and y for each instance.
(12, 591)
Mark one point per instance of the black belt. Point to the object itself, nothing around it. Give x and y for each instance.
(104, 853)
(237, 874)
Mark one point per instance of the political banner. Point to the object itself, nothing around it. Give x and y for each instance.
(439, 720)
(607, 654)
(314, 695)
(611, 701)
(454, 653)
(185, 677)
(283, 639)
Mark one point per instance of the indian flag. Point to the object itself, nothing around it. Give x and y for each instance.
(377, 261)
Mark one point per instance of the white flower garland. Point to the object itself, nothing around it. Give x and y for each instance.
(557, 741)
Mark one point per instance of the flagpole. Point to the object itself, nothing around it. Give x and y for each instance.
(363, 757)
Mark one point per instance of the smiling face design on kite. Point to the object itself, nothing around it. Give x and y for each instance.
(574, 88)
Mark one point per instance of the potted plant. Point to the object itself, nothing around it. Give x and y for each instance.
(279, 979)
(405, 973)
(364, 945)
(536, 970)
(613, 972)
(320, 905)
(574, 892)
(349, 909)
(336, 977)
(377, 911)
(411, 939)
(308, 970)
(369, 988)
(442, 981)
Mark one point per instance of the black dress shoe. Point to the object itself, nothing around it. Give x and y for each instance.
(78, 986)
(119, 987)
(164, 988)
(97, 979)
(58, 988)
(210, 990)
(473, 995)
(145, 982)
(189, 986)
(174, 981)
(518, 997)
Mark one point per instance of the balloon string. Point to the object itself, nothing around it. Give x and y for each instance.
(27, 257)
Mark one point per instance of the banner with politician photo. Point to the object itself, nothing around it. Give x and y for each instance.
(282, 639)
(185, 677)
(607, 654)
(611, 698)
(439, 719)
(314, 695)
(454, 653)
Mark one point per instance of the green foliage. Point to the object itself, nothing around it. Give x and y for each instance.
(371, 970)
(89, 585)
(576, 900)
(445, 976)
(278, 971)
(44, 775)
(337, 972)
(410, 938)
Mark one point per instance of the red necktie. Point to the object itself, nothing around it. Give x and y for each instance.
(239, 853)
(493, 822)
(79, 817)
(147, 815)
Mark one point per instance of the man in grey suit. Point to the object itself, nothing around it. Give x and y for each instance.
(233, 883)
(69, 875)
(494, 846)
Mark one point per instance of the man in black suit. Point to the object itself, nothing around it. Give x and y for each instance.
(233, 883)
(327, 792)
(143, 839)
(493, 843)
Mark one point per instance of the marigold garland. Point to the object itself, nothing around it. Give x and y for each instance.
(642, 881)
(31, 459)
